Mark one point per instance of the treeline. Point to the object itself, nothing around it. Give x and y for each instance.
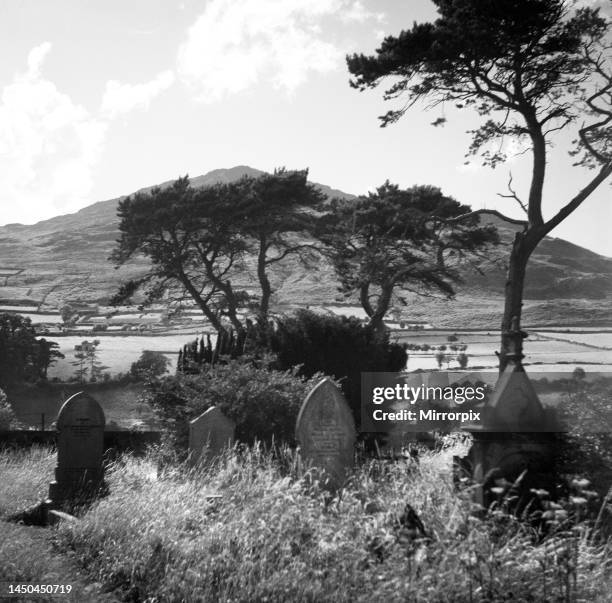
(201, 240)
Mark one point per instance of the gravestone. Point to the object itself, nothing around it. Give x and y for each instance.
(79, 473)
(516, 434)
(325, 431)
(209, 434)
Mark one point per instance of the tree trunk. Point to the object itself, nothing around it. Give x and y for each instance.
(264, 281)
(232, 313)
(382, 306)
(210, 315)
(364, 299)
(511, 334)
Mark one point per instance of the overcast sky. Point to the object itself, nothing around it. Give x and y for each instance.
(100, 98)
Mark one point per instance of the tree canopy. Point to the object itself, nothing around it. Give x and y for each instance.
(529, 69)
(398, 238)
(201, 239)
(22, 356)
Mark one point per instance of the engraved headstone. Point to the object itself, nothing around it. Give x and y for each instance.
(80, 447)
(325, 432)
(209, 434)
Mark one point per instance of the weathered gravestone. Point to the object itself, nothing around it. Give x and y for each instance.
(80, 445)
(325, 431)
(516, 435)
(209, 434)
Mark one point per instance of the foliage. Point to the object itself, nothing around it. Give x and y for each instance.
(7, 414)
(22, 356)
(150, 364)
(585, 410)
(463, 360)
(68, 314)
(198, 239)
(193, 356)
(271, 538)
(337, 346)
(273, 210)
(86, 360)
(264, 403)
(529, 70)
(25, 474)
(394, 239)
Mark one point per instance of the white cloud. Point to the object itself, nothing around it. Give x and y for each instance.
(236, 43)
(51, 145)
(48, 145)
(122, 98)
(356, 11)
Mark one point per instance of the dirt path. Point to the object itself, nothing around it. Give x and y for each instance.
(27, 555)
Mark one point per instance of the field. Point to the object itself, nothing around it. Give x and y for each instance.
(118, 352)
(545, 351)
(268, 536)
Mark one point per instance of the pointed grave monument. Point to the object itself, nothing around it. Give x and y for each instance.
(516, 435)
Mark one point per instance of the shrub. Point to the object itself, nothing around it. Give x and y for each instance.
(7, 414)
(150, 364)
(586, 448)
(337, 346)
(264, 403)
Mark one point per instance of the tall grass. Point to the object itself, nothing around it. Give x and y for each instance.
(273, 537)
(24, 477)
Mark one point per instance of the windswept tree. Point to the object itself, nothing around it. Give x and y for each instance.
(530, 70)
(200, 240)
(192, 240)
(397, 239)
(276, 212)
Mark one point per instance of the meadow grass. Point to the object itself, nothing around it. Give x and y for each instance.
(273, 537)
(27, 553)
(25, 475)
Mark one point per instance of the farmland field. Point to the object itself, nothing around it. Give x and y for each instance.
(543, 353)
(117, 352)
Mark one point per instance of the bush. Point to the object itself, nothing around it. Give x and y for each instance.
(586, 448)
(264, 403)
(150, 364)
(7, 414)
(337, 346)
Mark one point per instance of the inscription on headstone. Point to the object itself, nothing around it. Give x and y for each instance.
(80, 446)
(325, 432)
(209, 434)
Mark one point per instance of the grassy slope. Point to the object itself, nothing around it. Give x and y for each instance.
(268, 538)
(28, 554)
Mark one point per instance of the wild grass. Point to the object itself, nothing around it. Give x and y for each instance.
(273, 537)
(25, 475)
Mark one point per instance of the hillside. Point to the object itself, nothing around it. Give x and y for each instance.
(65, 259)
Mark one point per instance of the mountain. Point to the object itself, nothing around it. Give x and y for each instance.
(64, 259)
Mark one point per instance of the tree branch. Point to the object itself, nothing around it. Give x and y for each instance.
(492, 212)
(565, 211)
(513, 195)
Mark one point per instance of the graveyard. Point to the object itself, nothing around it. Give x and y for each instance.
(321, 520)
(241, 385)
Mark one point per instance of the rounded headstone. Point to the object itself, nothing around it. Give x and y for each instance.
(325, 431)
(209, 434)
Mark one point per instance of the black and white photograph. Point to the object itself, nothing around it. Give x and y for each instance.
(306, 301)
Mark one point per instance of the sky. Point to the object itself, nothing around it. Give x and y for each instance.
(99, 98)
